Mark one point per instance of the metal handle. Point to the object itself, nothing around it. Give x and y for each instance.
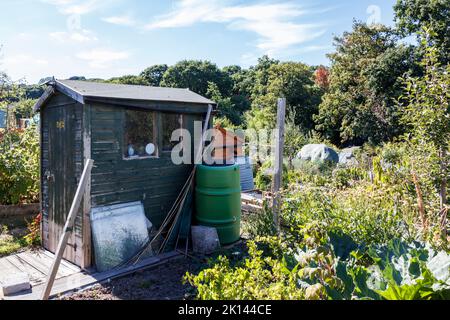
(49, 176)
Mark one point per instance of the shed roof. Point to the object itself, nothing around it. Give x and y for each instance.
(85, 90)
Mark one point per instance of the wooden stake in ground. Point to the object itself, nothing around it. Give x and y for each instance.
(68, 228)
(278, 173)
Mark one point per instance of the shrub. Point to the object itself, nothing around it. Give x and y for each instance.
(328, 266)
(19, 166)
(34, 231)
(258, 277)
(8, 243)
(261, 223)
(367, 215)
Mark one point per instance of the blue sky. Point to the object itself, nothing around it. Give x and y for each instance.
(106, 38)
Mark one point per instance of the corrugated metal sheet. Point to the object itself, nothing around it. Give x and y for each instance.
(247, 183)
(133, 92)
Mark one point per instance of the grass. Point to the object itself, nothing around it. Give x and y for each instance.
(9, 243)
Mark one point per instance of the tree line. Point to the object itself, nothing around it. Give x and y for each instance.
(356, 100)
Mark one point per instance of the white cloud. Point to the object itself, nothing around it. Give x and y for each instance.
(20, 66)
(102, 58)
(21, 59)
(274, 23)
(75, 7)
(125, 20)
(77, 36)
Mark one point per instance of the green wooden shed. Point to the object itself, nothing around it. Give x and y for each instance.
(126, 130)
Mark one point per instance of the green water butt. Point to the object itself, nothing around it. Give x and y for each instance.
(218, 200)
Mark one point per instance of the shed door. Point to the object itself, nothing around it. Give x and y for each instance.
(64, 155)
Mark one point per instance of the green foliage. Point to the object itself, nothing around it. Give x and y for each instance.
(264, 175)
(33, 92)
(294, 139)
(345, 177)
(33, 237)
(322, 265)
(261, 224)
(8, 243)
(292, 80)
(358, 107)
(263, 179)
(24, 108)
(19, 166)
(314, 172)
(258, 277)
(129, 79)
(153, 75)
(410, 271)
(260, 118)
(196, 75)
(226, 108)
(427, 99)
(10, 91)
(414, 15)
(259, 75)
(368, 216)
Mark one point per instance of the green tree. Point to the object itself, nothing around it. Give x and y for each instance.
(292, 80)
(196, 76)
(226, 109)
(259, 75)
(414, 15)
(129, 79)
(24, 108)
(153, 75)
(427, 112)
(34, 91)
(364, 81)
(242, 86)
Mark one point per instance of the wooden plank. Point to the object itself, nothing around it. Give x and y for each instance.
(279, 149)
(6, 267)
(64, 263)
(83, 279)
(86, 232)
(69, 92)
(36, 276)
(42, 260)
(67, 231)
(48, 93)
(40, 264)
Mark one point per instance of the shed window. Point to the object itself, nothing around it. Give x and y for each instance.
(140, 138)
(170, 123)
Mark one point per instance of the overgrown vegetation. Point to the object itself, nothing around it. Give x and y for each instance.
(19, 166)
(377, 228)
(8, 242)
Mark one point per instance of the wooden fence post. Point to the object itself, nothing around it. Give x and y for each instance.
(278, 172)
(68, 228)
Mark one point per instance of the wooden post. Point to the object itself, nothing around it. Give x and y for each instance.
(7, 118)
(278, 172)
(86, 244)
(68, 228)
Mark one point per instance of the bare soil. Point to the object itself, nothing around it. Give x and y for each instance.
(160, 283)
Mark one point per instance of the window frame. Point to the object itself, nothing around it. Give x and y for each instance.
(157, 138)
(154, 138)
(181, 123)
